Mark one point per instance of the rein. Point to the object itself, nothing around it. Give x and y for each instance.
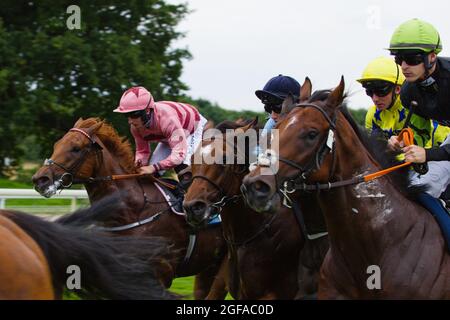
(71, 174)
(224, 199)
(298, 183)
(219, 205)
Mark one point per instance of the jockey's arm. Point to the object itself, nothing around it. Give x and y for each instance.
(177, 140)
(142, 148)
(441, 153)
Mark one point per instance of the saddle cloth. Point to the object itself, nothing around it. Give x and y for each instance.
(439, 212)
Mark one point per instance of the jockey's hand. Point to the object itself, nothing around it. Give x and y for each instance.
(147, 170)
(414, 154)
(138, 163)
(394, 144)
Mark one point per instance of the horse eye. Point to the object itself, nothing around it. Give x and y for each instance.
(312, 135)
(76, 149)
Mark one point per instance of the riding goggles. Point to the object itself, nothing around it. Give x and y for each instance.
(272, 108)
(381, 89)
(134, 114)
(272, 103)
(409, 59)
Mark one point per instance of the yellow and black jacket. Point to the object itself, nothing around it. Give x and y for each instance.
(390, 122)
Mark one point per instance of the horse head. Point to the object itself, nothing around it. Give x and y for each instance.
(76, 157)
(306, 136)
(218, 168)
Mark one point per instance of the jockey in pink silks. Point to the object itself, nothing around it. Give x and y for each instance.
(178, 128)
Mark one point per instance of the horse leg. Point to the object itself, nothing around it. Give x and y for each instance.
(269, 296)
(219, 287)
(307, 283)
(209, 284)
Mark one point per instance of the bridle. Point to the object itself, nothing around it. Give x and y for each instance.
(227, 199)
(298, 182)
(289, 185)
(68, 177)
(224, 198)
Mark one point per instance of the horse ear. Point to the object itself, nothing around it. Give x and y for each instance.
(305, 90)
(337, 95)
(79, 121)
(92, 130)
(208, 125)
(250, 125)
(288, 105)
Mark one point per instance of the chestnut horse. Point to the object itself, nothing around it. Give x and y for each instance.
(263, 247)
(35, 256)
(92, 150)
(382, 244)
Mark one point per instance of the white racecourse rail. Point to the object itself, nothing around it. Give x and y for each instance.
(74, 195)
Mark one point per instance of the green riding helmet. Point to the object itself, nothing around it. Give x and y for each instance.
(415, 34)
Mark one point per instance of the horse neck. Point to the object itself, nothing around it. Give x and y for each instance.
(364, 217)
(131, 192)
(238, 220)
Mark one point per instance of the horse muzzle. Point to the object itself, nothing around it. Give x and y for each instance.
(47, 186)
(258, 194)
(197, 212)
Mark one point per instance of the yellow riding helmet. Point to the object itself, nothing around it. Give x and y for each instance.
(382, 68)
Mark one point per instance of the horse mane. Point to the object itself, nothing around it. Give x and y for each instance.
(233, 125)
(116, 144)
(320, 95)
(65, 245)
(227, 124)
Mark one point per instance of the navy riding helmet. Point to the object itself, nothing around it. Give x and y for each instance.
(278, 88)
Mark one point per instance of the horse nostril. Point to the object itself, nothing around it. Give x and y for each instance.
(261, 188)
(196, 209)
(40, 182)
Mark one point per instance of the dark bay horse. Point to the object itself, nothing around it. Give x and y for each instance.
(372, 225)
(35, 256)
(93, 149)
(263, 248)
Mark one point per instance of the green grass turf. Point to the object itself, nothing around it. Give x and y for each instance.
(183, 286)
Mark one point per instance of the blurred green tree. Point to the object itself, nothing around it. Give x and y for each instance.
(51, 75)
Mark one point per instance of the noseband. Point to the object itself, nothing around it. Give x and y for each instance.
(224, 198)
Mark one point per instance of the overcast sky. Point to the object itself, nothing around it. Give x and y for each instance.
(237, 45)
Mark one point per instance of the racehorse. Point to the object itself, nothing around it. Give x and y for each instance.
(382, 244)
(91, 152)
(36, 256)
(264, 248)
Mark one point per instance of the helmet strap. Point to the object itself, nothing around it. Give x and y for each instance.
(428, 66)
(147, 115)
(394, 95)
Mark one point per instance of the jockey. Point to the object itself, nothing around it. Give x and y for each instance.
(415, 45)
(273, 94)
(177, 127)
(382, 80)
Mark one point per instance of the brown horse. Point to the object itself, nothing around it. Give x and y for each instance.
(94, 150)
(35, 256)
(263, 248)
(382, 244)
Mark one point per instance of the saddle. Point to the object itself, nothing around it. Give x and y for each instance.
(174, 198)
